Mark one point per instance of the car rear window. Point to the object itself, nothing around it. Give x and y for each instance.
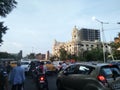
(110, 71)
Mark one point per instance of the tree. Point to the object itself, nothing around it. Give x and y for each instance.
(63, 54)
(94, 55)
(6, 6)
(2, 31)
(31, 56)
(6, 55)
(115, 46)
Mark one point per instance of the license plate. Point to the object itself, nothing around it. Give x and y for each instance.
(42, 81)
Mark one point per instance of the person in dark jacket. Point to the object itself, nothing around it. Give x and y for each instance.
(8, 67)
(3, 77)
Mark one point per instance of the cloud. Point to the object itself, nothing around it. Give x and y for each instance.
(11, 47)
(17, 45)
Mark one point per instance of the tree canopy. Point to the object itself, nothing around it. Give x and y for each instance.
(6, 6)
(2, 31)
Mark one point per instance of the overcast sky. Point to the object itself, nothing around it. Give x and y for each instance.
(34, 24)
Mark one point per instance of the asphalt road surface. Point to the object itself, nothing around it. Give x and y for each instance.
(30, 84)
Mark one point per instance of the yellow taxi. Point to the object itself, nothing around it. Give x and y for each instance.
(49, 65)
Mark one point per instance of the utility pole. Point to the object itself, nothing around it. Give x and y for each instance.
(103, 36)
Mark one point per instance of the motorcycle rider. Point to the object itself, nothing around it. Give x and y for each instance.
(43, 69)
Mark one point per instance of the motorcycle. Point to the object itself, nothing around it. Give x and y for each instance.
(42, 82)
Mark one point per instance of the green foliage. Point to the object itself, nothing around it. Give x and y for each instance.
(6, 55)
(63, 54)
(53, 58)
(6, 6)
(2, 31)
(31, 56)
(116, 53)
(94, 55)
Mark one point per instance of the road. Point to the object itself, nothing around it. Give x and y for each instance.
(30, 84)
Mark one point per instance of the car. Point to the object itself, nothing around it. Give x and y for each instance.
(25, 65)
(89, 76)
(117, 62)
(57, 64)
(49, 65)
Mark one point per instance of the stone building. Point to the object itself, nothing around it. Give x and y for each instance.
(80, 42)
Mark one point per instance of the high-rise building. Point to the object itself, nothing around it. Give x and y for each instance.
(89, 34)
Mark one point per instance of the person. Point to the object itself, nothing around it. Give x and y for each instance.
(17, 77)
(3, 77)
(8, 67)
(42, 68)
(60, 67)
(64, 65)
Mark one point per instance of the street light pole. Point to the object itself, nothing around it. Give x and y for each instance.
(103, 36)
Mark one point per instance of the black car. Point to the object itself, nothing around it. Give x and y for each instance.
(115, 62)
(89, 76)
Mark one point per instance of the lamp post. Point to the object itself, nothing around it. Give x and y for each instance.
(103, 36)
(118, 22)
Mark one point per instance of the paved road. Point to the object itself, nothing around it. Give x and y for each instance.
(30, 84)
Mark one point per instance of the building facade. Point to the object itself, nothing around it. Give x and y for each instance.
(83, 39)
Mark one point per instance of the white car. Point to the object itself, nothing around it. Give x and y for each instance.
(25, 65)
(57, 64)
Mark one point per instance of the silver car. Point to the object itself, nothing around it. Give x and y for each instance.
(89, 76)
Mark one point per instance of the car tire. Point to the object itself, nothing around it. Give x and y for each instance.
(60, 86)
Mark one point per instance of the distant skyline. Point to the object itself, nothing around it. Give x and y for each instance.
(34, 25)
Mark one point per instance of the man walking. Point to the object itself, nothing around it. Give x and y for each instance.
(17, 77)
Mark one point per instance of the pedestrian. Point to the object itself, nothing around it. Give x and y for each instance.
(3, 77)
(17, 77)
(44, 68)
(8, 67)
(64, 65)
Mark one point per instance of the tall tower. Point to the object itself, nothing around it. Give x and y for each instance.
(75, 34)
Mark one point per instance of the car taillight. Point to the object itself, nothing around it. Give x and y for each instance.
(110, 65)
(103, 80)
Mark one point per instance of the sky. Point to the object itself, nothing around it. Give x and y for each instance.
(35, 24)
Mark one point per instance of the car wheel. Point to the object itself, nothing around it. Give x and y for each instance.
(60, 86)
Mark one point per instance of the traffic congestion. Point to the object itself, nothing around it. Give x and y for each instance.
(64, 75)
(59, 45)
